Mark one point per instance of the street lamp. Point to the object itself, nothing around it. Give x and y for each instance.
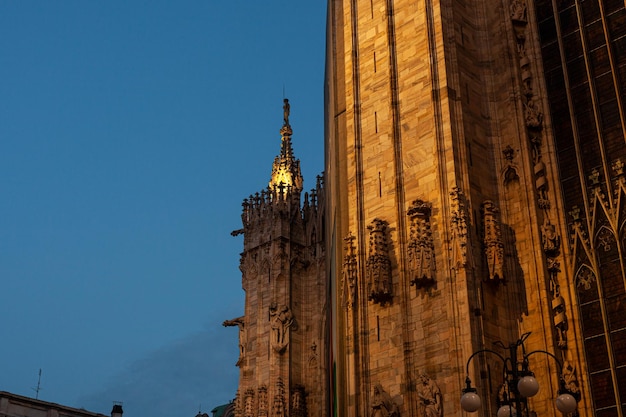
(519, 383)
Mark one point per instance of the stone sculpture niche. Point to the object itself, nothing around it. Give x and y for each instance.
(349, 272)
(382, 404)
(492, 240)
(378, 266)
(281, 321)
(421, 254)
(430, 399)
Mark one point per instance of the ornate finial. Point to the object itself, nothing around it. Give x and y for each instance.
(286, 112)
(286, 170)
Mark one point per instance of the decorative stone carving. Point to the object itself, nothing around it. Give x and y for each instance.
(239, 322)
(430, 400)
(605, 239)
(313, 356)
(509, 173)
(382, 404)
(238, 404)
(585, 277)
(492, 240)
(570, 379)
(349, 272)
(281, 321)
(534, 117)
(527, 76)
(550, 239)
(262, 401)
(559, 316)
(286, 111)
(421, 254)
(618, 167)
(378, 267)
(459, 231)
(518, 11)
(279, 399)
(298, 402)
(248, 403)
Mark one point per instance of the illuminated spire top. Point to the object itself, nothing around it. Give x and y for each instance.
(286, 174)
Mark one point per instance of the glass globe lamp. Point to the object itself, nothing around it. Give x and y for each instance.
(528, 386)
(470, 401)
(566, 403)
(507, 411)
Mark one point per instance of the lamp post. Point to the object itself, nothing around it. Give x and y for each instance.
(519, 383)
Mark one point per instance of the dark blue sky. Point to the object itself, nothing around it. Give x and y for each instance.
(130, 133)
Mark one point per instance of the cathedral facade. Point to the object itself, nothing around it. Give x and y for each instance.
(469, 230)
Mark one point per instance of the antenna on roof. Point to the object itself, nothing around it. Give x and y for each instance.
(38, 386)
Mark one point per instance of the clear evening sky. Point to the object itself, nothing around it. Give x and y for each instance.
(130, 133)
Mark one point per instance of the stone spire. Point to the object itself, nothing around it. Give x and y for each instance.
(286, 176)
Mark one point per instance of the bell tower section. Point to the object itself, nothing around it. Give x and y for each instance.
(282, 332)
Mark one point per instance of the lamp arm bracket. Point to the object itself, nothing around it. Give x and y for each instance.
(558, 362)
(483, 351)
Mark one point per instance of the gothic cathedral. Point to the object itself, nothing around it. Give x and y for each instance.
(468, 236)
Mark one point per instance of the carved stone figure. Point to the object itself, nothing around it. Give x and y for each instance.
(430, 398)
(382, 404)
(550, 239)
(459, 231)
(378, 267)
(281, 319)
(286, 108)
(239, 322)
(349, 273)
(494, 248)
(298, 402)
(534, 118)
(421, 256)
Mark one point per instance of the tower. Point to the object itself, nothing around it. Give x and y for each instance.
(474, 187)
(283, 330)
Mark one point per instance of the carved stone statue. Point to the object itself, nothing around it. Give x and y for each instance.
(281, 320)
(430, 398)
(550, 238)
(349, 272)
(492, 240)
(378, 265)
(534, 118)
(239, 322)
(286, 109)
(421, 254)
(382, 404)
(298, 402)
(459, 217)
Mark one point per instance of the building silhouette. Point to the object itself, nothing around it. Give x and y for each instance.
(473, 198)
(13, 405)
